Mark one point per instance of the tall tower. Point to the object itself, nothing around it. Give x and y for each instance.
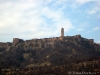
(62, 31)
(62, 34)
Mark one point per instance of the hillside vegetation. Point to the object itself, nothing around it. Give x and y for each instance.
(72, 55)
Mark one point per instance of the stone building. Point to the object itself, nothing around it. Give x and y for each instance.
(62, 34)
(62, 31)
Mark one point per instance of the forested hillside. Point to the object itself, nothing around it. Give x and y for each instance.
(71, 55)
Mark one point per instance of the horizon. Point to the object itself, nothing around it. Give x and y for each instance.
(27, 19)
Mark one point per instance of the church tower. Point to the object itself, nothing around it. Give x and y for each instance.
(62, 34)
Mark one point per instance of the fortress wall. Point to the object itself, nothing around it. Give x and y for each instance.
(17, 40)
(91, 40)
(50, 39)
(78, 36)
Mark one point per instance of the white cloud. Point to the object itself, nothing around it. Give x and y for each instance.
(84, 1)
(31, 19)
(80, 29)
(82, 26)
(94, 9)
(96, 28)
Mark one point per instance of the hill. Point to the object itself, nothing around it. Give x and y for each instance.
(55, 56)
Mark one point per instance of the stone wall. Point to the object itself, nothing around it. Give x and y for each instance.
(16, 41)
(91, 40)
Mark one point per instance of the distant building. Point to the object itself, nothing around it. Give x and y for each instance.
(62, 31)
(50, 40)
(62, 34)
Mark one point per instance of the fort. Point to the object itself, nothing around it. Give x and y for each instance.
(48, 55)
(50, 40)
(17, 40)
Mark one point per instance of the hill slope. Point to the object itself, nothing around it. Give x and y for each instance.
(72, 51)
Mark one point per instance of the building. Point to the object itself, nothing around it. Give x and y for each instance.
(62, 34)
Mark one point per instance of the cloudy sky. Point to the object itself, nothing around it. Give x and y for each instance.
(28, 19)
